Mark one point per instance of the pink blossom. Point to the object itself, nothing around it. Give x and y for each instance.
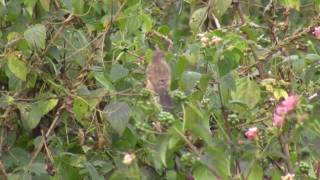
(291, 102)
(285, 107)
(316, 32)
(278, 120)
(252, 133)
(281, 110)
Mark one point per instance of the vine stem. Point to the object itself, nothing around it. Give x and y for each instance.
(52, 126)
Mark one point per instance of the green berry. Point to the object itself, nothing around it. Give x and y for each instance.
(303, 167)
(145, 93)
(166, 118)
(178, 95)
(233, 119)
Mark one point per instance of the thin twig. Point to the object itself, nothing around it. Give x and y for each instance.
(195, 150)
(166, 38)
(3, 171)
(41, 144)
(274, 49)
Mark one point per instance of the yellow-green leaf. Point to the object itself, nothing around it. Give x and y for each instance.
(37, 110)
(45, 4)
(291, 4)
(17, 66)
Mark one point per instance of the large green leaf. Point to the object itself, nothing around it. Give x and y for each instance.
(118, 72)
(247, 91)
(17, 67)
(218, 160)
(202, 173)
(256, 172)
(291, 4)
(104, 81)
(80, 108)
(189, 80)
(45, 4)
(78, 6)
(93, 171)
(147, 22)
(117, 114)
(197, 122)
(219, 7)
(197, 19)
(228, 62)
(38, 168)
(37, 110)
(30, 4)
(36, 36)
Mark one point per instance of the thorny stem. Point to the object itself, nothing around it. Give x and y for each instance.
(228, 129)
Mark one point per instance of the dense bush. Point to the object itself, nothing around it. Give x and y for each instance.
(244, 85)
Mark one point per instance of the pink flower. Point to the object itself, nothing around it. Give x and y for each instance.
(285, 106)
(291, 102)
(252, 133)
(278, 120)
(280, 110)
(316, 32)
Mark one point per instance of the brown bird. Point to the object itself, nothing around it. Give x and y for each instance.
(159, 79)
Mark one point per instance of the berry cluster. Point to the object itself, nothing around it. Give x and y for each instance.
(188, 159)
(166, 118)
(178, 95)
(303, 167)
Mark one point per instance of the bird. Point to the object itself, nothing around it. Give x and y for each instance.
(158, 75)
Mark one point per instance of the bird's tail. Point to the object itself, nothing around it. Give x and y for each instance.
(165, 101)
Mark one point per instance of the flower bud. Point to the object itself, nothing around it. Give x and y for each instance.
(128, 159)
(252, 133)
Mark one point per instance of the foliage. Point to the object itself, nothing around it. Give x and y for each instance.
(74, 103)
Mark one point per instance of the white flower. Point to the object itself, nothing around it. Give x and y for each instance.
(288, 176)
(128, 158)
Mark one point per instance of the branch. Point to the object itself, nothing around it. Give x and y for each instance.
(287, 41)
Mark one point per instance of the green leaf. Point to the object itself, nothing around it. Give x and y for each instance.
(36, 36)
(247, 91)
(38, 168)
(189, 80)
(180, 67)
(80, 108)
(256, 172)
(228, 62)
(96, 96)
(217, 159)
(17, 67)
(197, 19)
(147, 22)
(3, 3)
(118, 72)
(93, 171)
(291, 4)
(104, 81)
(279, 93)
(117, 114)
(317, 5)
(202, 173)
(78, 6)
(30, 4)
(198, 123)
(45, 4)
(37, 110)
(132, 173)
(219, 7)
(275, 174)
